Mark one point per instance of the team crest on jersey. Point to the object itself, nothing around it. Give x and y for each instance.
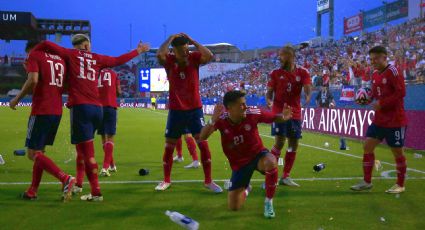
(247, 127)
(298, 78)
(226, 131)
(182, 75)
(282, 77)
(384, 81)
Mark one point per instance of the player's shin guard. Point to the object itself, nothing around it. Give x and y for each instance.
(289, 162)
(191, 146)
(276, 152)
(206, 160)
(91, 167)
(168, 160)
(271, 181)
(368, 163)
(108, 148)
(179, 148)
(47, 164)
(401, 169)
(37, 173)
(80, 166)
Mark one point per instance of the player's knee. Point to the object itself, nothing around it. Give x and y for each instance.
(270, 163)
(92, 160)
(31, 154)
(279, 143)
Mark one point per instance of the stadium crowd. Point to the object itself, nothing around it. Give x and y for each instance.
(334, 63)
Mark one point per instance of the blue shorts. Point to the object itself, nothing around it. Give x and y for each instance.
(242, 177)
(181, 122)
(288, 129)
(393, 136)
(85, 120)
(108, 126)
(42, 131)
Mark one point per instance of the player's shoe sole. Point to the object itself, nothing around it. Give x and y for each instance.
(67, 188)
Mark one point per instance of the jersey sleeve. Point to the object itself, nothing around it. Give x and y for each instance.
(266, 117)
(397, 81)
(50, 47)
(32, 64)
(109, 62)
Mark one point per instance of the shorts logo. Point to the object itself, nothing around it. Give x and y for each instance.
(384, 81)
(166, 131)
(298, 78)
(247, 127)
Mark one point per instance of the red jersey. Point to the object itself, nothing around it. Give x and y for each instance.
(184, 82)
(287, 87)
(108, 85)
(241, 143)
(47, 93)
(389, 89)
(83, 71)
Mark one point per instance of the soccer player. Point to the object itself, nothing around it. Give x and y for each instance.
(243, 147)
(46, 76)
(153, 103)
(390, 120)
(185, 112)
(109, 88)
(191, 146)
(284, 87)
(86, 111)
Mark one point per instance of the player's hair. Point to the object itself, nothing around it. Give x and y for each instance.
(31, 44)
(79, 38)
(232, 96)
(179, 41)
(289, 49)
(378, 50)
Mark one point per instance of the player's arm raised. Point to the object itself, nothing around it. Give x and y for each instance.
(109, 62)
(47, 46)
(206, 54)
(29, 84)
(164, 49)
(209, 128)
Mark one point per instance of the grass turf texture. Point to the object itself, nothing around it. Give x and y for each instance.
(326, 204)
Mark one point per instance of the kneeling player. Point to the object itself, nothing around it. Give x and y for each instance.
(243, 147)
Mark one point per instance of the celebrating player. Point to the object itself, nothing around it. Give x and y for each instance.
(45, 80)
(285, 87)
(86, 111)
(389, 122)
(191, 146)
(185, 112)
(109, 88)
(243, 147)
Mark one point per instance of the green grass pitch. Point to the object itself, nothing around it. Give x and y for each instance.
(323, 201)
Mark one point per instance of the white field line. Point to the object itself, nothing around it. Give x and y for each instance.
(328, 150)
(220, 180)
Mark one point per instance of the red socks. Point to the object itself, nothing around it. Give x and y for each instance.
(191, 146)
(80, 166)
(368, 163)
(179, 148)
(401, 169)
(276, 152)
(206, 160)
(37, 173)
(168, 160)
(91, 168)
(289, 162)
(108, 148)
(271, 181)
